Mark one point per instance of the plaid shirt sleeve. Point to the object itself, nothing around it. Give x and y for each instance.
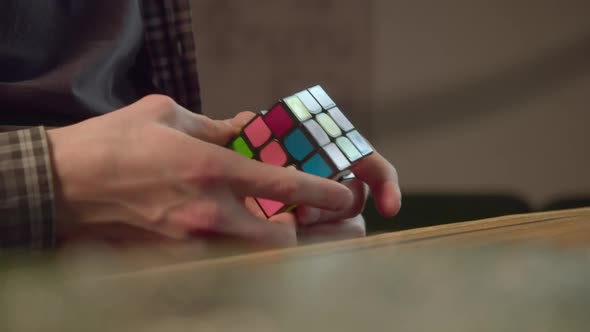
(26, 190)
(27, 212)
(169, 40)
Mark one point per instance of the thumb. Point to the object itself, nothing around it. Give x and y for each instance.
(220, 132)
(241, 120)
(229, 128)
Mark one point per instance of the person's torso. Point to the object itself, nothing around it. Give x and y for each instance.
(65, 61)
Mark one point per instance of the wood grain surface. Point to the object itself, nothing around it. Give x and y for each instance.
(560, 229)
(515, 273)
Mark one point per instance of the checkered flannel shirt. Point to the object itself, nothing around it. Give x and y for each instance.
(27, 209)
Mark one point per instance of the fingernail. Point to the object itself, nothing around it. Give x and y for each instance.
(307, 215)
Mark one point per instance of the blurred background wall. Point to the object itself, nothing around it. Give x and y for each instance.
(468, 96)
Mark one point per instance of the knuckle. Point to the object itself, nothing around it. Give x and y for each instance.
(159, 100)
(210, 180)
(159, 105)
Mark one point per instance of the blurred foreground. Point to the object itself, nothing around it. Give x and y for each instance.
(520, 273)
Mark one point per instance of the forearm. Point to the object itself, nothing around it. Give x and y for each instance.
(27, 212)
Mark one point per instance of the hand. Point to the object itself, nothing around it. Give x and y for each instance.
(373, 174)
(316, 225)
(382, 180)
(154, 165)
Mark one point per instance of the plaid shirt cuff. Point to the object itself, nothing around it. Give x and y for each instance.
(27, 212)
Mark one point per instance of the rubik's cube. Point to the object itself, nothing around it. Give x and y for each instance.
(307, 131)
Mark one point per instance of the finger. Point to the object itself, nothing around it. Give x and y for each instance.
(280, 231)
(241, 119)
(254, 208)
(342, 230)
(218, 132)
(307, 215)
(255, 179)
(235, 221)
(287, 218)
(250, 178)
(171, 114)
(382, 179)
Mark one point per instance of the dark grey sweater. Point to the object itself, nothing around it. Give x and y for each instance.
(62, 61)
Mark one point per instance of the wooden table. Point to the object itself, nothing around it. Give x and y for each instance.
(515, 273)
(563, 229)
(525, 272)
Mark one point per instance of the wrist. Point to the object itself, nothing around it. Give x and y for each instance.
(75, 166)
(61, 183)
